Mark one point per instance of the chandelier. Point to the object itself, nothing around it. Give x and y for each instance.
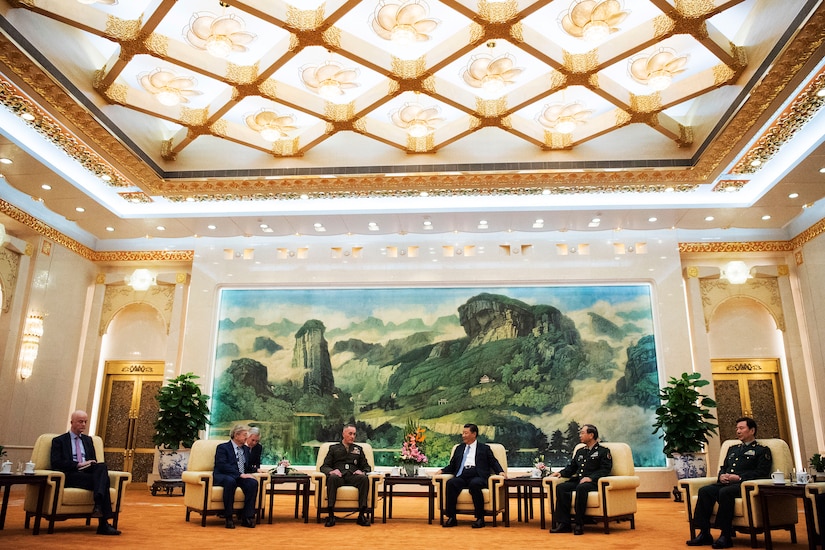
(593, 20)
(141, 279)
(489, 73)
(329, 79)
(218, 35)
(30, 343)
(271, 125)
(563, 118)
(416, 119)
(403, 22)
(657, 69)
(168, 88)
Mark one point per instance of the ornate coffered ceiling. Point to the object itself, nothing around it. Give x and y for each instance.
(173, 105)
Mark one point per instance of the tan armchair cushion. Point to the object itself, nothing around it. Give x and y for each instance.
(61, 502)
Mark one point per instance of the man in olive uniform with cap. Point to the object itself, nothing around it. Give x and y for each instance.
(345, 464)
(591, 462)
(749, 460)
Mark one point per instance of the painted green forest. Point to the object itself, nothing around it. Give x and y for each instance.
(527, 364)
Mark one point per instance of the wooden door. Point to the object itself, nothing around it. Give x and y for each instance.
(749, 387)
(128, 415)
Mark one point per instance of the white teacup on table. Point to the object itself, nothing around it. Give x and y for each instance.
(778, 477)
(5, 468)
(29, 468)
(802, 477)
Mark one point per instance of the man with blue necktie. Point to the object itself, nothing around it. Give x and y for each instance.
(471, 464)
(230, 467)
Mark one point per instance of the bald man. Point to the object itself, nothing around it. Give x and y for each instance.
(73, 453)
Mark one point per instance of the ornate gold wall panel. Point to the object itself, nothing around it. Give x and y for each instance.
(763, 290)
(161, 297)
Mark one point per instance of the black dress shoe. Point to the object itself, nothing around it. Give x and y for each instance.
(451, 522)
(330, 521)
(478, 524)
(363, 520)
(230, 524)
(702, 539)
(106, 529)
(578, 529)
(248, 522)
(723, 542)
(561, 528)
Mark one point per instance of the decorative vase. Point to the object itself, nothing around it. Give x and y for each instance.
(690, 465)
(410, 470)
(281, 470)
(535, 472)
(172, 463)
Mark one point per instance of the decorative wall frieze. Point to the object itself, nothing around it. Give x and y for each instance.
(116, 297)
(763, 290)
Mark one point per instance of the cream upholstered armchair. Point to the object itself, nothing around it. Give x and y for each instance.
(615, 496)
(61, 502)
(347, 498)
(493, 494)
(816, 528)
(202, 495)
(747, 513)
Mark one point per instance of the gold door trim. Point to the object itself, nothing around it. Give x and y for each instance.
(743, 366)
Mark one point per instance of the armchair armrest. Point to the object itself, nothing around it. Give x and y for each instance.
(196, 477)
(619, 482)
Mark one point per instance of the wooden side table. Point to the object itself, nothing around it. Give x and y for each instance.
(524, 498)
(391, 481)
(7, 480)
(791, 489)
(301, 482)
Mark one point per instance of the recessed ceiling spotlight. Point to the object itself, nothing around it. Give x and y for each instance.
(79, 209)
(4, 160)
(669, 189)
(766, 217)
(822, 170)
(210, 226)
(538, 224)
(190, 199)
(160, 228)
(709, 218)
(756, 162)
(304, 196)
(423, 194)
(109, 228)
(793, 195)
(653, 219)
(373, 226)
(596, 220)
(545, 191)
(46, 187)
(27, 116)
(820, 93)
(263, 226)
(106, 177)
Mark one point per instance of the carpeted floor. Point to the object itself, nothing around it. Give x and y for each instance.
(159, 523)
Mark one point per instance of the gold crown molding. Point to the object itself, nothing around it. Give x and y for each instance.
(144, 256)
(730, 247)
(808, 235)
(793, 119)
(136, 197)
(45, 230)
(729, 186)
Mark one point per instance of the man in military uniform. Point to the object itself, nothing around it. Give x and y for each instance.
(750, 460)
(345, 464)
(591, 462)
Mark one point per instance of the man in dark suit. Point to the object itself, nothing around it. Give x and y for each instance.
(590, 463)
(73, 453)
(253, 441)
(750, 460)
(231, 459)
(472, 463)
(346, 464)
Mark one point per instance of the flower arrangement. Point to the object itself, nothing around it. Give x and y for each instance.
(285, 463)
(539, 464)
(412, 450)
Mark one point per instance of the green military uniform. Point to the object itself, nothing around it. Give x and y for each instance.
(748, 461)
(594, 462)
(347, 461)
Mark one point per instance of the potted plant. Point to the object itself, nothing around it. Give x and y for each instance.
(685, 420)
(818, 462)
(182, 414)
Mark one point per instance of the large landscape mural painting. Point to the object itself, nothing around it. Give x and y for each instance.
(529, 365)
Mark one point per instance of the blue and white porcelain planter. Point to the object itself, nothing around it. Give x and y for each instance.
(690, 465)
(172, 463)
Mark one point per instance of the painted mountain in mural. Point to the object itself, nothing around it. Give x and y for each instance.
(509, 366)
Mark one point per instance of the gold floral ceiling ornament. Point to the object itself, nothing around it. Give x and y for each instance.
(563, 118)
(271, 125)
(218, 35)
(416, 119)
(403, 22)
(167, 87)
(329, 79)
(593, 20)
(657, 69)
(490, 73)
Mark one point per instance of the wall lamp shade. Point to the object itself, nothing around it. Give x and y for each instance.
(32, 332)
(736, 272)
(141, 279)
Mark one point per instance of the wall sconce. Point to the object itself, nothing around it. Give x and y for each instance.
(32, 332)
(736, 272)
(141, 279)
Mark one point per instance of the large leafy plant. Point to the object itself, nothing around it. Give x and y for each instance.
(684, 417)
(182, 413)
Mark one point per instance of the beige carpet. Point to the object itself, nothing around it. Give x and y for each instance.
(159, 522)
